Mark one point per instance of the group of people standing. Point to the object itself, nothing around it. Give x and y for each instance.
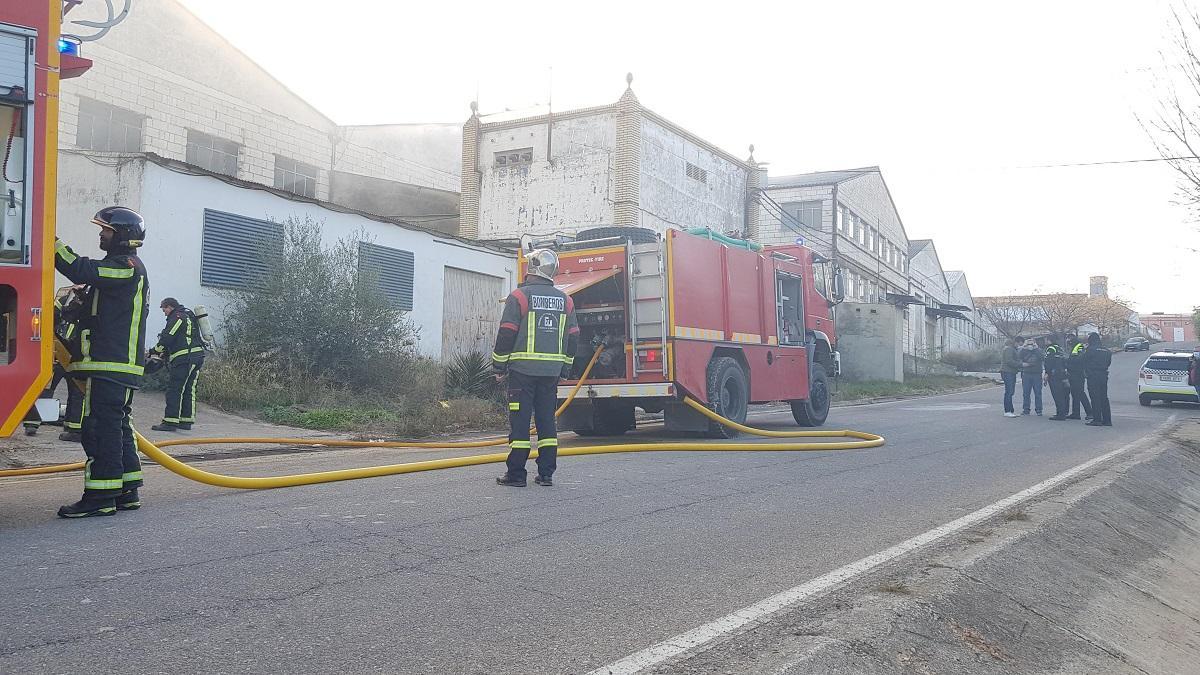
(1077, 375)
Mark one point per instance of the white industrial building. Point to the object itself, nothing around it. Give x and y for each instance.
(618, 164)
(204, 233)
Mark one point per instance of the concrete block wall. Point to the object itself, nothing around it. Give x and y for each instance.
(670, 198)
(870, 337)
(867, 196)
(772, 232)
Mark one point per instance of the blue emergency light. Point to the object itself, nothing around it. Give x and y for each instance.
(69, 46)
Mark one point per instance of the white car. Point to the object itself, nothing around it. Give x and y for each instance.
(1164, 377)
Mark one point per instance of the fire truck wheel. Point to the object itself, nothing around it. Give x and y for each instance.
(728, 395)
(813, 411)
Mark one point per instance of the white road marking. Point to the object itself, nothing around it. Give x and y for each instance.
(689, 640)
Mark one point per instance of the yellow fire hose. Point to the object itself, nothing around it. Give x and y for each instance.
(865, 440)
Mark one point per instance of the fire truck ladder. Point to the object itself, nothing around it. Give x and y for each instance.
(647, 303)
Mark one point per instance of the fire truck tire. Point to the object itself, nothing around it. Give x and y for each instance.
(633, 235)
(728, 395)
(813, 411)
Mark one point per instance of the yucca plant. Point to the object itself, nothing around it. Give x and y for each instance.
(470, 375)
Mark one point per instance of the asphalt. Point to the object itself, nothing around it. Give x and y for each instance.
(447, 572)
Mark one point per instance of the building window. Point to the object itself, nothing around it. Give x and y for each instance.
(696, 173)
(514, 159)
(108, 128)
(392, 269)
(807, 214)
(860, 227)
(232, 248)
(212, 153)
(295, 176)
(871, 239)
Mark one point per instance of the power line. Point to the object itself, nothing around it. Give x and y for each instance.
(1113, 161)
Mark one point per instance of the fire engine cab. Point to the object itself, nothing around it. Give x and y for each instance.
(724, 321)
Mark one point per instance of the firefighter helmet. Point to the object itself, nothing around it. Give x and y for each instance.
(543, 263)
(129, 230)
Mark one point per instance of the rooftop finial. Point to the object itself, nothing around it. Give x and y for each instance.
(474, 107)
(628, 79)
(751, 158)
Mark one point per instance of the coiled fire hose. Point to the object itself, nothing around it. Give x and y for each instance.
(154, 452)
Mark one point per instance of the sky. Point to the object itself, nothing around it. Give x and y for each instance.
(961, 104)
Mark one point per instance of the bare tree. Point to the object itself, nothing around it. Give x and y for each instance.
(1174, 126)
(1063, 312)
(1110, 316)
(1011, 319)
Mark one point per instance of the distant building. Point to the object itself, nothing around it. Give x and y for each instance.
(612, 165)
(1081, 313)
(1169, 327)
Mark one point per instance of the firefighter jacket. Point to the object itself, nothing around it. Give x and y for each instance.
(1096, 361)
(180, 337)
(66, 328)
(1075, 360)
(1056, 363)
(538, 334)
(112, 330)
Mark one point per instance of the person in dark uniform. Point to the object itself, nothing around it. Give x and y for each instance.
(1077, 376)
(535, 347)
(1056, 376)
(1096, 361)
(182, 347)
(112, 348)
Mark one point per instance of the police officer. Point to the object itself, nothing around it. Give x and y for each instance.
(535, 346)
(1096, 361)
(1056, 376)
(112, 348)
(182, 347)
(1076, 375)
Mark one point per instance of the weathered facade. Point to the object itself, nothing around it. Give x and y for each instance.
(1169, 327)
(619, 164)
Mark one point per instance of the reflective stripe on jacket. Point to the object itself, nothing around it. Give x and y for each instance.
(112, 330)
(538, 333)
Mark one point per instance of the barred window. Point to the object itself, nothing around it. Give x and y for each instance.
(296, 176)
(108, 128)
(514, 159)
(212, 153)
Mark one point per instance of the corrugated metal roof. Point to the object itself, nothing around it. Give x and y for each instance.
(820, 177)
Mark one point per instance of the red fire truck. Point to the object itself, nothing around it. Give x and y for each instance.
(724, 321)
(34, 56)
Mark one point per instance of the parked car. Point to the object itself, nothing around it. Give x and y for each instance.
(1164, 377)
(1137, 344)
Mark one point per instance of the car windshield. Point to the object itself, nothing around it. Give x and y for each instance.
(1134, 341)
(1167, 363)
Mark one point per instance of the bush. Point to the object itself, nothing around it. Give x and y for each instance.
(471, 375)
(982, 361)
(313, 311)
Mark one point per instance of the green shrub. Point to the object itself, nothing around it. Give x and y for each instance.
(981, 361)
(471, 375)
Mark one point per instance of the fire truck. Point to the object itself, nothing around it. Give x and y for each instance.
(724, 321)
(34, 56)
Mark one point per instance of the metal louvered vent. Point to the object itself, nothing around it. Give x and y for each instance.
(696, 173)
(392, 270)
(232, 248)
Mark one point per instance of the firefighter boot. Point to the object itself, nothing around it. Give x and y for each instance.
(129, 500)
(166, 426)
(544, 481)
(71, 437)
(90, 505)
(510, 481)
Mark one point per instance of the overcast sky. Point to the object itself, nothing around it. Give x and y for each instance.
(955, 101)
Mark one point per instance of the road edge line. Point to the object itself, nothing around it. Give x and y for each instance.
(691, 639)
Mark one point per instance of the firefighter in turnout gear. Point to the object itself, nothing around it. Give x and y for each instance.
(112, 333)
(1077, 376)
(182, 348)
(535, 347)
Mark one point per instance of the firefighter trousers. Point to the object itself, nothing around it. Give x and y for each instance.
(532, 397)
(1079, 396)
(181, 390)
(112, 461)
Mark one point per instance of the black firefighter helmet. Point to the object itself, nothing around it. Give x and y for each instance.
(129, 229)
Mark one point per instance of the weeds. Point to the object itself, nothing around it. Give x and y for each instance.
(912, 386)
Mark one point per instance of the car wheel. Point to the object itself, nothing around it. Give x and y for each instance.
(1145, 399)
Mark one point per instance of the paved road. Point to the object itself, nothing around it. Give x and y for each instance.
(446, 572)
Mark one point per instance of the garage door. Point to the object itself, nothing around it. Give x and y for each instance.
(471, 306)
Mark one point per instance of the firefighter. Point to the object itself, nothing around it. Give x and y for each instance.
(112, 336)
(182, 348)
(1056, 377)
(1077, 376)
(1096, 361)
(535, 347)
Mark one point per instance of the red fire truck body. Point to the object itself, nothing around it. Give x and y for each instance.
(689, 315)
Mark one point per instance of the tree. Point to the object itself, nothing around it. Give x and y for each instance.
(1174, 126)
(1062, 312)
(313, 311)
(1011, 317)
(1110, 316)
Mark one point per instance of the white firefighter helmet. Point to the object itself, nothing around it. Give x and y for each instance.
(542, 262)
